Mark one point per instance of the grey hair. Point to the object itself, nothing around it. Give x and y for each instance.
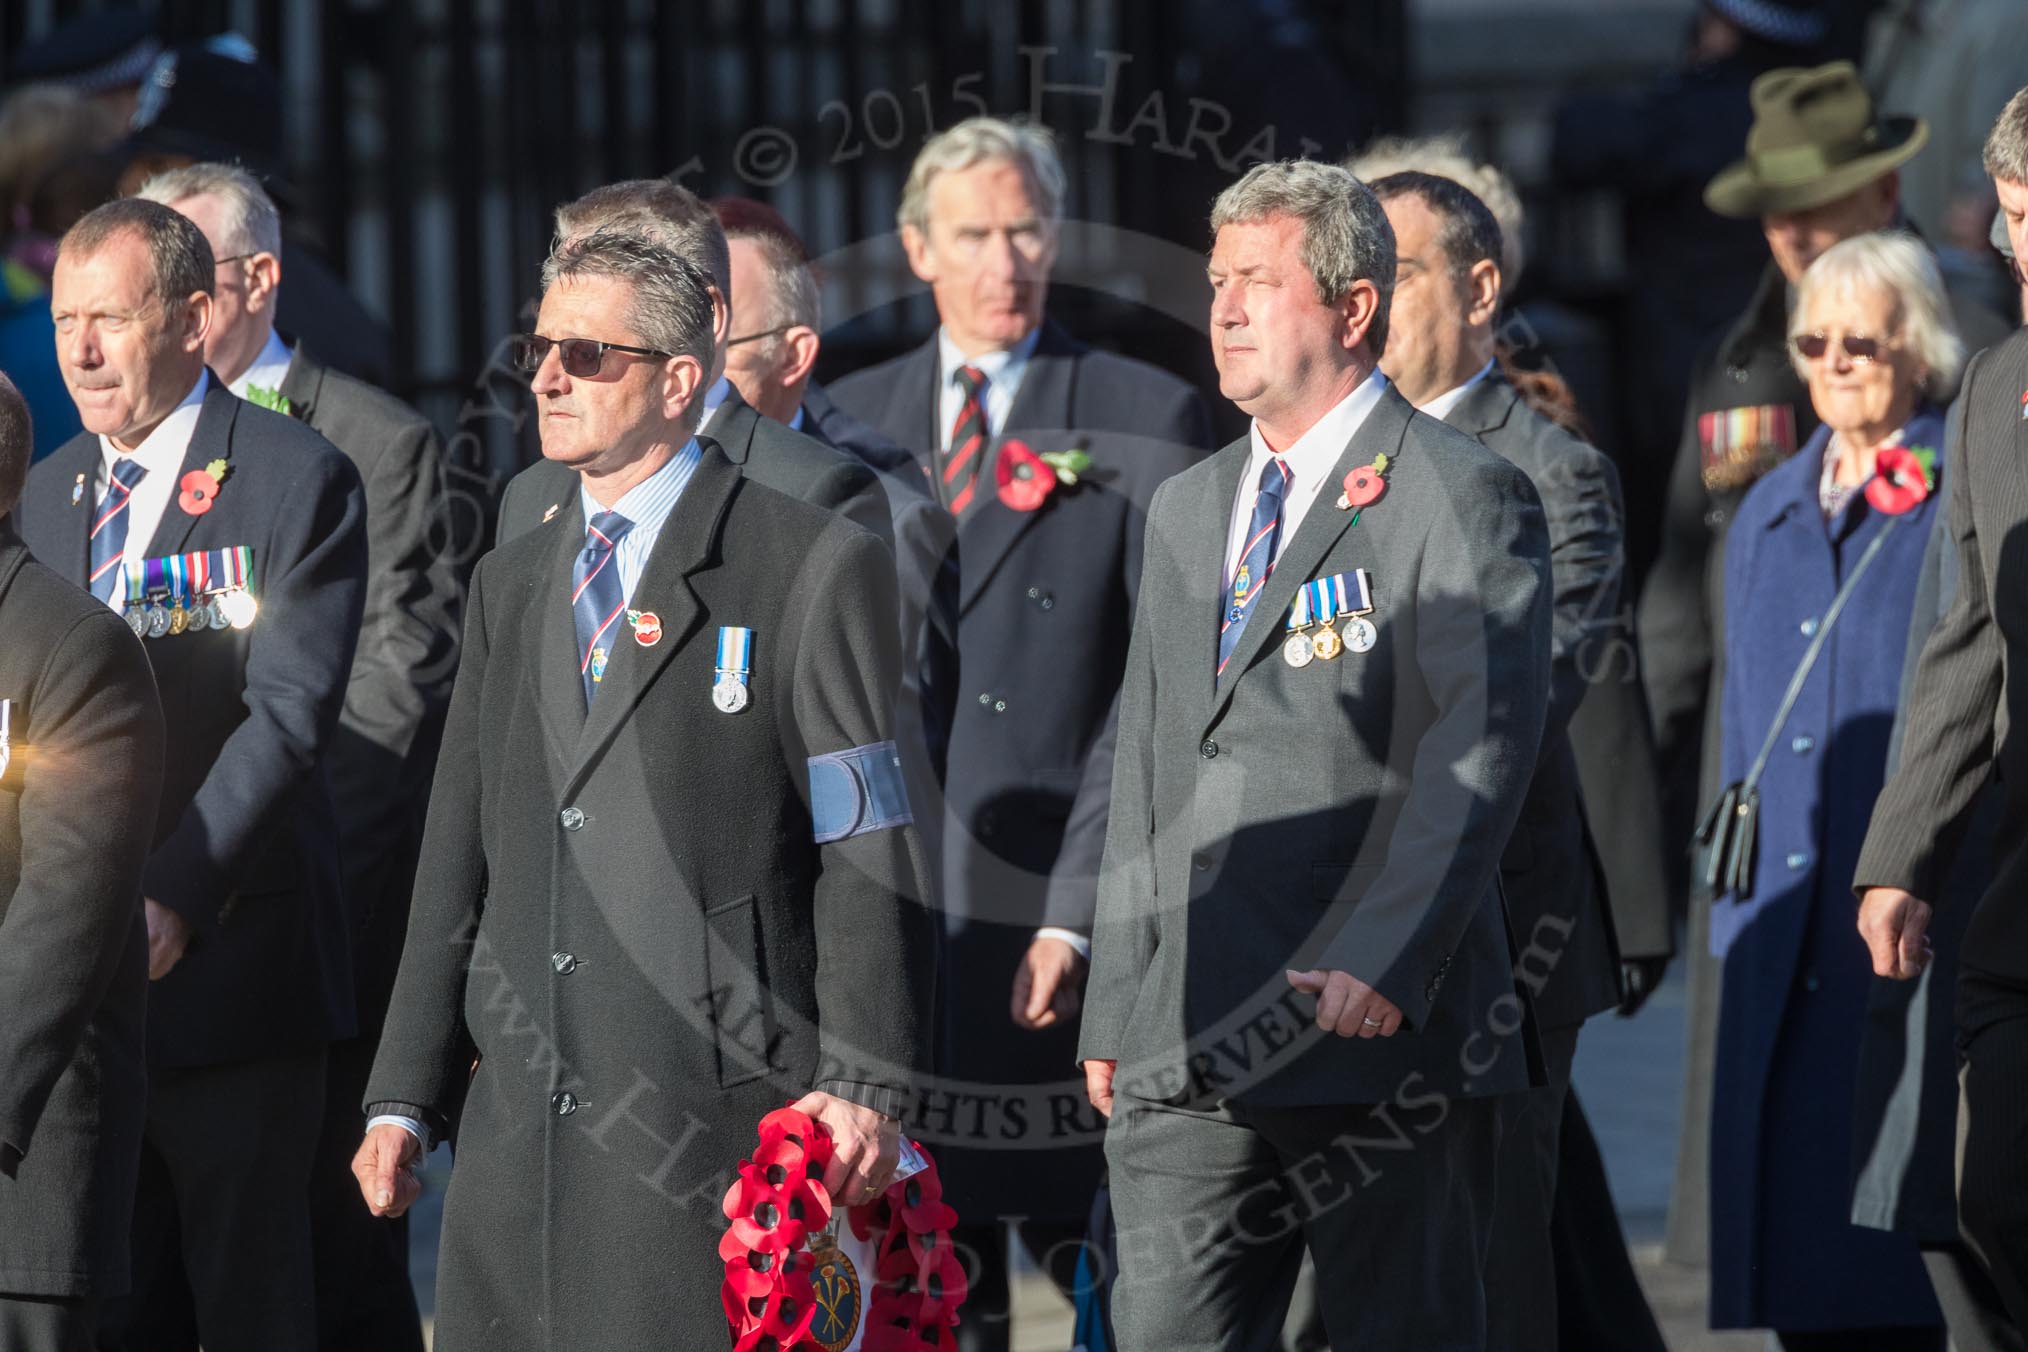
(252, 224)
(670, 308)
(975, 141)
(1445, 156)
(2006, 154)
(178, 254)
(1346, 237)
(1894, 262)
(659, 210)
(17, 444)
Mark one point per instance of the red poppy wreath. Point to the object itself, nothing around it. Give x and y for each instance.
(790, 1282)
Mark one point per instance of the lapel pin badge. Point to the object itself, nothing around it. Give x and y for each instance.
(647, 626)
(77, 491)
(550, 515)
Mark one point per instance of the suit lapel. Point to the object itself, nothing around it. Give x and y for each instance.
(1383, 430)
(1202, 558)
(559, 688)
(78, 463)
(733, 427)
(210, 440)
(689, 540)
(303, 385)
(1485, 407)
(1040, 414)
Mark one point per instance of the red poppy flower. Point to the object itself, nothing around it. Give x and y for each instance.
(200, 490)
(1363, 486)
(1025, 479)
(1900, 481)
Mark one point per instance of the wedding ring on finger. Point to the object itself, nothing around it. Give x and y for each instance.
(1372, 1023)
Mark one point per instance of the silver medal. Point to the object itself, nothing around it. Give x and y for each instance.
(1360, 636)
(158, 620)
(137, 620)
(1296, 649)
(728, 693)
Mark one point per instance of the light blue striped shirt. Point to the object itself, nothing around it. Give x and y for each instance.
(647, 504)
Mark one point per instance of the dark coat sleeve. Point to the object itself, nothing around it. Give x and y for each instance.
(90, 775)
(1675, 626)
(408, 644)
(313, 589)
(1581, 498)
(425, 1056)
(852, 491)
(1947, 749)
(1483, 624)
(875, 945)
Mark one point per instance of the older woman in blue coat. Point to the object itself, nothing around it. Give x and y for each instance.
(1871, 335)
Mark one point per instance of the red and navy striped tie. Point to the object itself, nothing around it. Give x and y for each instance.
(1256, 560)
(968, 442)
(597, 599)
(109, 526)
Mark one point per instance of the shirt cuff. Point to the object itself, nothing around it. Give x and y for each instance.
(1080, 942)
(883, 1099)
(412, 1126)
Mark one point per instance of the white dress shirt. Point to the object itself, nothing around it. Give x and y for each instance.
(1441, 406)
(161, 454)
(1310, 462)
(270, 367)
(1003, 372)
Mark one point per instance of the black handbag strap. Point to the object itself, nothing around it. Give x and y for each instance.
(1795, 690)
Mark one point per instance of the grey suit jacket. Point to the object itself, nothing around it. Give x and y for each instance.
(765, 451)
(1555, 887)
(1348, 814)
(408, 641)
(1963, 703)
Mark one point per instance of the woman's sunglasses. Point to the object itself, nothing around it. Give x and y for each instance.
(581, 357)
(1812, 346)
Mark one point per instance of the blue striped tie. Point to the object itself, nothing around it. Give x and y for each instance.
(597, 598)
(1256, 560)
(109, 526)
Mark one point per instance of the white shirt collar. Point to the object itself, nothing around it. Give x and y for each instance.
(270, 367)
(161, 451)
(1441, 406)
(1003, 371)
(1310, 462)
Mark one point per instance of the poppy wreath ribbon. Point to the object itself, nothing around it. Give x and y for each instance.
(781, 1292)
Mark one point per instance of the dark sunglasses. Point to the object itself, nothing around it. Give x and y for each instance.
(1811, 346)
(581, 357)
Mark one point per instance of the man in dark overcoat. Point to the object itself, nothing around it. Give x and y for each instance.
(236, 539)
(668, 877)
(80, 773)
(1050, 568)
(400, 685)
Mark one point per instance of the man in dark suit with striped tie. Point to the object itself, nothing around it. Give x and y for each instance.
(1966, 699)
(1002, 408)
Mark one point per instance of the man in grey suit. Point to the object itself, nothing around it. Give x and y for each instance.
(667, 828)
(1440, 356)
(766, 451)
(1965, 699)
(395, 698)
(1302, 1001)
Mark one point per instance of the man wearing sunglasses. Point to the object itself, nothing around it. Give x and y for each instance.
(669, 878)
(1820, 167)
(766, 451)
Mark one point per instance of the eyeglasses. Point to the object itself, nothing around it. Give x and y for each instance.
(1861, 349)
(756, 337)
(231, 258)
(581, 357)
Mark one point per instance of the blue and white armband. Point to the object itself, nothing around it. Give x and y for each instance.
(857, 791)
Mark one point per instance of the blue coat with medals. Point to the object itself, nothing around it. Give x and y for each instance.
(245, 848)
(1797, 975)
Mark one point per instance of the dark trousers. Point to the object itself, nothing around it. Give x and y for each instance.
(988, 1320)
(1972, 1310)
(222, 1213)
(1213, 1207)
(1992, 1017)
(48, 1324)
(364, 1300)
(1600, 1306)
(1864, 1340)
(1520, 1260)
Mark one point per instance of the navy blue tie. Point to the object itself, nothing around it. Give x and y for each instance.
(1256, 560)
(596, 598)
(109, 526)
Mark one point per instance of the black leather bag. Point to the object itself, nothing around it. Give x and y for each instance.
(1728, 834)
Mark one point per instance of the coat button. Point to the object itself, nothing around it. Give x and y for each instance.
(986, 700)
(1048, 602)
(1798, 859)
(1200, 862)
(1034, 593)
(999, 706)
(1808, 628)
(1208, 749)
(1802, 745)
(573, 820)
(564, 1102)
(564, 963)
(1810, 983)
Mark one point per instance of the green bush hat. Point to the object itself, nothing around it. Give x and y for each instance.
(1814, 140)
